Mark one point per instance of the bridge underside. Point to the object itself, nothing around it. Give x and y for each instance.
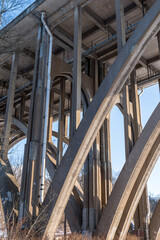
(67, 64)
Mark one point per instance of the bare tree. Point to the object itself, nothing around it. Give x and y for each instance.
(10, 8)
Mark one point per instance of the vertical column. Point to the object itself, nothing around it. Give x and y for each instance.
(76, 84)
(108, 155)
(61, 123)
(91, 172)
(158, 39)
(103, 166)
(39, 126)
(85, 212)
(121, 40)
(66, 126)
(27, 173)
(102, 148)
(9, 109)
(120, 23)
(105, 152)
(8, 186)
(22, 107)
(126, 103)
(136, 106)
(143, 207)
(50, 116)
(96, 163)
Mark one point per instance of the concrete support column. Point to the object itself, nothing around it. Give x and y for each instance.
(9, 109)
(97, 179)
(96, 161)
(158, 39)
(85, 213)
(87, 193)
(28, 164)
(50, 116)
(143, 207)
(38, 125)
(66, 126)
(76, 85)
(102, 148)
(92, 70)
(92, 166)
(136, 107)
(31, 176)
(61, 123)
(103, 166)
(8, 185)
(121, 40)
(91, 192)
(108, 155)
(120, 23)
(22, 107)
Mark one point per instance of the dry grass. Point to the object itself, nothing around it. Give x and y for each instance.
(17, 233)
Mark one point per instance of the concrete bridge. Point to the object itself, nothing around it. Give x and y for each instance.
(72, 62)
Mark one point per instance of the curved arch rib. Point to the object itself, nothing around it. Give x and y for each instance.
(64, 179)
(20, 125)
(137, 190)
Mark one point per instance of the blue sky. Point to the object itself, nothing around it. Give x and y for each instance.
(8, 16)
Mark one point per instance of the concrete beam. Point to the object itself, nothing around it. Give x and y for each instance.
(145, 64)
(98, 21)
(109, 20)
(20, 125)
(139, 4)
(62, 43)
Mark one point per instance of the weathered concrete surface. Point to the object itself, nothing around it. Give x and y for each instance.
(64, 179)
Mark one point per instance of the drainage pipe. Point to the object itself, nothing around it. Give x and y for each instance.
(46, 110)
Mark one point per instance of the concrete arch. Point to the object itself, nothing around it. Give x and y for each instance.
(86, 93)
(154, 227)
(137, 190)
(20, 125)
(16, 140)
(64, 179)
